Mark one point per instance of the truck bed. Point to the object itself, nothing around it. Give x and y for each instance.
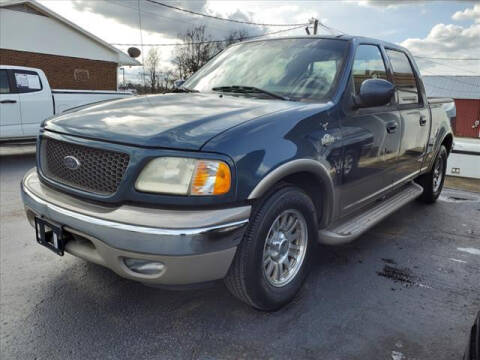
(65, 99)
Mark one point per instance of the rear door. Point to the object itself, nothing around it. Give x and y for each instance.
(36, 102)
(414, 112)
(10, 120)
(371, 136)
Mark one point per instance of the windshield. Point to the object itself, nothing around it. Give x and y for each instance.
(297, 69)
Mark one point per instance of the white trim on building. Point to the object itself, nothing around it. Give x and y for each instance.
(19, 30)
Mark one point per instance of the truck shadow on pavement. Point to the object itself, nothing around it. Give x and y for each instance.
(343, 305)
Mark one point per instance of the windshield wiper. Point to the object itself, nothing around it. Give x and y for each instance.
(248, 90)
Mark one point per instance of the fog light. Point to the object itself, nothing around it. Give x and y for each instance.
(146, 267)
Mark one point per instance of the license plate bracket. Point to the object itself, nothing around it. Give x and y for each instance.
(50, 235)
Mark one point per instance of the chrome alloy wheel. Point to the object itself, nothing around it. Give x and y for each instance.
(285, 248)
(437, 174)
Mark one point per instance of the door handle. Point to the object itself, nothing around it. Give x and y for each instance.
(423, 120)
(391, 127)
(8, 101)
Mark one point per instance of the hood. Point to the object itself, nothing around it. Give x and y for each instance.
(178, 121)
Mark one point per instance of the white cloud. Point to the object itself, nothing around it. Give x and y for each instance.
(116, 21)
(468, 14)
(388, 4)
(448, 41)
(161, 20)
(395, 4)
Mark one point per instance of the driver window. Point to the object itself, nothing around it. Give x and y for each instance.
(368, 64)
(4, 87)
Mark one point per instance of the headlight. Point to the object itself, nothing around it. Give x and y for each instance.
(183, 176)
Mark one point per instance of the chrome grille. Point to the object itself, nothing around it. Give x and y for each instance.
(98, 171)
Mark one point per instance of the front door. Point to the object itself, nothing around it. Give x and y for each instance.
(36, 102)
(415, 116)
(371, 136)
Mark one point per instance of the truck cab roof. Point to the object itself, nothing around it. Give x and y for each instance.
(345, 37)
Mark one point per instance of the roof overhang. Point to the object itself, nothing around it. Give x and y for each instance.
(123, 59)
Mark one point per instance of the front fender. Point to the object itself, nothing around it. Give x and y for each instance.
(304, 140)
(317, 169)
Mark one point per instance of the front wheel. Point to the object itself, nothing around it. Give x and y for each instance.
(433, 181)
(272, 259)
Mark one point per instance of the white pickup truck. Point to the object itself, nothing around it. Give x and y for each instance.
(26, 99)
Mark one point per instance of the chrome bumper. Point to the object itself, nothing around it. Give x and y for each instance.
(194, 246)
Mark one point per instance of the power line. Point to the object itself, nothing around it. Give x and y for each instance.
(212, 41)
(450, 67)
(176, 20)
(444, 58)
(141, 42)
(218, 17)
(330, 29)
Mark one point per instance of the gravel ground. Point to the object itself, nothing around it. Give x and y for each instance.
(407, 289)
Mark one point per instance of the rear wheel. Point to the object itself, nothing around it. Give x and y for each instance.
(433, 181)
(272, 260)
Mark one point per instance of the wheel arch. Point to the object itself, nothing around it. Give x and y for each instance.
(448, 142)
(311, 176)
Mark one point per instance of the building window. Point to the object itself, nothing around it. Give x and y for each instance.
(81, 75)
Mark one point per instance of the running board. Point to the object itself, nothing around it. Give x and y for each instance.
(353, 227)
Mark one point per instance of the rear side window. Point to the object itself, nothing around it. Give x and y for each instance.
(27, 81)
(4, 87)
(368, 64)
(403, 77)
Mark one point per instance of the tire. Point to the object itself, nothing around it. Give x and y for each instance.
(247, 278)
(433, 181)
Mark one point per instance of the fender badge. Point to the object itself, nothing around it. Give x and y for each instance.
(327, 139)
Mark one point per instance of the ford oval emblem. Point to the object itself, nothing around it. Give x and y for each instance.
(71, 162)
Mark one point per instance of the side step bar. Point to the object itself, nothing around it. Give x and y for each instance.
(353, 227)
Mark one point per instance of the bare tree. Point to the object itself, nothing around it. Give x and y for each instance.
(152, 63)
(168, 78)
(199, 48)
(233, 37)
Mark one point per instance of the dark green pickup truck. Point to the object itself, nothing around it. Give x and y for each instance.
(273, 146)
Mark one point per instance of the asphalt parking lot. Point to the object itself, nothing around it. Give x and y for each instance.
(407, 289)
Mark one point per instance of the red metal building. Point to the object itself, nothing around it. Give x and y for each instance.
(465, 90)
(468, 116)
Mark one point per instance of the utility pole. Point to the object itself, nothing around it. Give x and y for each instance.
(123, 75)
(313, 22)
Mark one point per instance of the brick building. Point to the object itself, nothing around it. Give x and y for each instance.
(71, 57)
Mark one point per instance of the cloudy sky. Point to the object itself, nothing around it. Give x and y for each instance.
(430, 29)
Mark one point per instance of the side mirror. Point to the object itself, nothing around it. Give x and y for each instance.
(374, 92)
(178, 83)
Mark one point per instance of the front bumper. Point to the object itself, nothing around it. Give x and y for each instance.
(193, 245)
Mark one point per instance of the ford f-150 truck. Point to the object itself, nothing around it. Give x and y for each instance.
(273, 146)
(26, 100)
